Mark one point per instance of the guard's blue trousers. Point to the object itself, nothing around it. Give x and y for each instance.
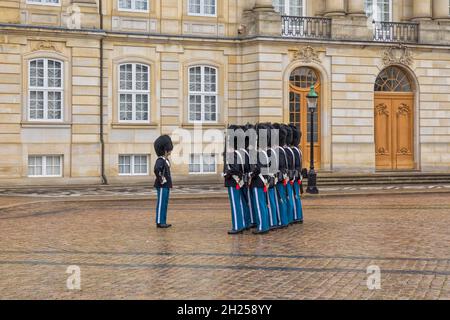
(161, 206)
(247, 204)
(273, 208)
(298, 213)
(237, 210)
(282, 205)
(290, 202)
(260, 206)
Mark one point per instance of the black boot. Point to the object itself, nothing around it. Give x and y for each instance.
(260, 232)
(163, 225)
(235, 231)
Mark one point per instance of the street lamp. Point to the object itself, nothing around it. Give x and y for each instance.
(312, 98)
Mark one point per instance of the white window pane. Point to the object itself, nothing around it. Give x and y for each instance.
(195, 79)
(126, 107)
(194, 6)
(210, 7)
(210, 79)
(125, 4)
(141, 4)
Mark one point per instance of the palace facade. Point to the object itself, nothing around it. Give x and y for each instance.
(87, 86)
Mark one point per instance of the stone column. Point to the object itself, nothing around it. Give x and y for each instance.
(356, 8)
(422, 10)
(440, 10)
(334, 8)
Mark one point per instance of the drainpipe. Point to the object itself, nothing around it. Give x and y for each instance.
(102, 141)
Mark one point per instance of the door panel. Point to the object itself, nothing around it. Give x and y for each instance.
(383, 145)
(394, 131)
(404, 134)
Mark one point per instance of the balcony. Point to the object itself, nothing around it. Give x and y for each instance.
(306, 27)
(396, 32)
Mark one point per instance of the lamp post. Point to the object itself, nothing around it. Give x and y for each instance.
(312, 98)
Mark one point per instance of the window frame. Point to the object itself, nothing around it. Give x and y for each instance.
(288, 7)
(132, 164)
(44, 166)
(202, 164)
(202, 9)
(41, 3)
(203, 93)
(375, 10)
(45, 89)
(133, 7)
(134, 92)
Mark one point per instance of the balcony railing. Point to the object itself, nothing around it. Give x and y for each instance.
(306, 27)
(396, 32)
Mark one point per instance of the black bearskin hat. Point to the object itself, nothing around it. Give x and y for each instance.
(252, 129)
(281, 133)
(295, 135)
(289, 135)
(232, 139)
(163, 144)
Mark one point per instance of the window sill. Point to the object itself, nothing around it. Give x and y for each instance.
(45, 124)
(124, 125)
(188, 125)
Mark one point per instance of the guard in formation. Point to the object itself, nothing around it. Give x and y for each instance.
(263, 175)
(163, 182)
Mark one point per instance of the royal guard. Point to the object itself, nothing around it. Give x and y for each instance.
(163, 182)
(233, 175)
(260, 187)
(282, 177)
(245, 193)
(291, 174)
(273, 207)
(298, 213)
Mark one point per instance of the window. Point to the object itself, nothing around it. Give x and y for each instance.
(202, 94)
(290, 7)
(48, 2)
(134, 92)
(202, 7)
(381, 10)
(202, 163)
(133, 165)
(133, 5)
(45, 90)
(45, 166)
(393, 79)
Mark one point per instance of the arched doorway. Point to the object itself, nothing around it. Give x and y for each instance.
(394, 120)
(300, 81)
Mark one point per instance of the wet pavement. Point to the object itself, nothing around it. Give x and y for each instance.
(121, 254)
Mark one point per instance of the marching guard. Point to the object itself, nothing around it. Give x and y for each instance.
(298, 213)
(264, 182)
(233, 175)
(163, 182)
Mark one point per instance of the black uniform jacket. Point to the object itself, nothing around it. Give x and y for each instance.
(162, 169)
(282, 162)
(235, 168)
(262, 166)
(298, 161)
(291, 162)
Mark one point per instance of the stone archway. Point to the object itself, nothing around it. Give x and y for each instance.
(300, 81)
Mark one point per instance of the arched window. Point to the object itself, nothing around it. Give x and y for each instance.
(45, 90)
(290, 7)
(380, 10)
(134, 92)
(303, 77)
(202, 94)
(393, 79)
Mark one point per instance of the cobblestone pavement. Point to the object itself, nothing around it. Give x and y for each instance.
(216, 189)
(122, 255)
